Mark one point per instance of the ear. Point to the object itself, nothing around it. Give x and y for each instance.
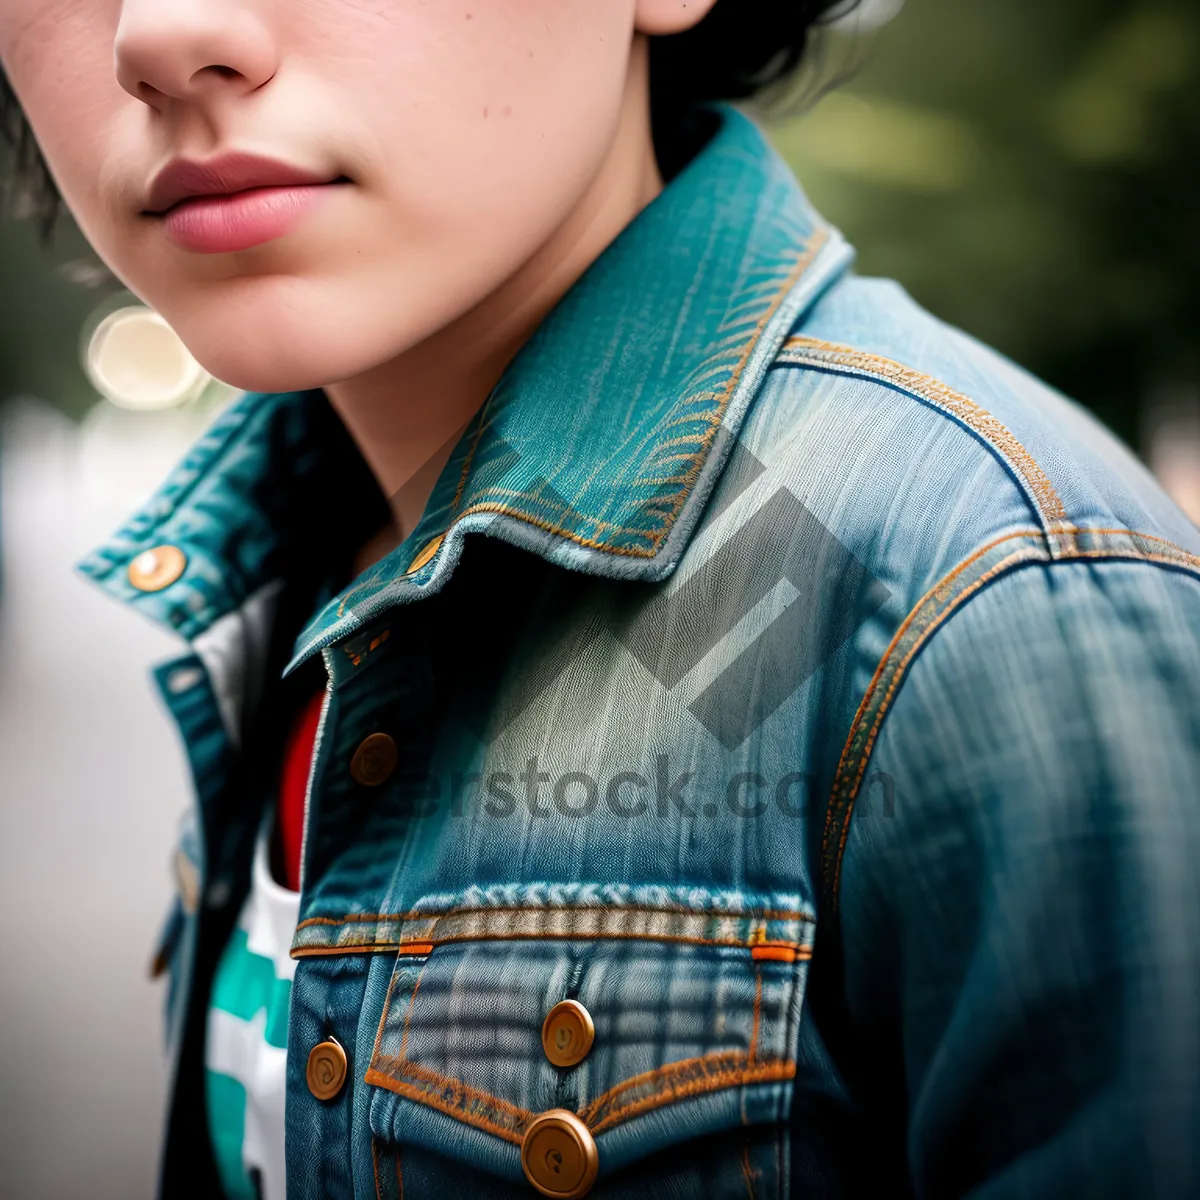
(659, 17)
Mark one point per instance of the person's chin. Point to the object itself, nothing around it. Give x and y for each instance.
(306, 329)
(270, 369)
(272, 350)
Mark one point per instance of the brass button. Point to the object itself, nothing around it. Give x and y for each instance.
(374, 760)
(431, 548)
(326, 1071)
(156, 569)
(568, 1033)
(559, 1156)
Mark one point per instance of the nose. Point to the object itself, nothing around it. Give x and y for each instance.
(192, 50)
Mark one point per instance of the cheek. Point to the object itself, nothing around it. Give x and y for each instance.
(60, 63)
(64, 77)
(495, 109)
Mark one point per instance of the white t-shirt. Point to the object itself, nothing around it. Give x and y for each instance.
(246, 1048)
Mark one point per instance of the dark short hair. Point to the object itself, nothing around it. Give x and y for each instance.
(741, 48)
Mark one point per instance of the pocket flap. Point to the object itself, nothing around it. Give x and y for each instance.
(694, 999)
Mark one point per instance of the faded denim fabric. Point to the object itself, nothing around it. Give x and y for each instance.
(759, 621)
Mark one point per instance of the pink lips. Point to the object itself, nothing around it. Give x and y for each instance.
(233, 203)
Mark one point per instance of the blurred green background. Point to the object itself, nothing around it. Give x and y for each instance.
(1024, 167)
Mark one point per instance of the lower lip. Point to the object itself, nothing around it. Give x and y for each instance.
(225, 224)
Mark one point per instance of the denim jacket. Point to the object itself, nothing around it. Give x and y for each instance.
(793, 683)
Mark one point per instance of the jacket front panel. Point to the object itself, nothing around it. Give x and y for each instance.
(633, 668)
(521, 855)
(602, 789)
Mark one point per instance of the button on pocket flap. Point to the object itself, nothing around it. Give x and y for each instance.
(648, 1020)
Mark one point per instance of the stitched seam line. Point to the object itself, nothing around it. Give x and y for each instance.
(864, 755)
(348, 948)
(387, 1004)
(813, 352)
(569, 936)
(410, 1068)
(942, 593)
(732, 1057)
(763, 1073)
(484, 413)
(868, 695)
(711, 417)
(434, 1100)
(680, 1080)
(803, 952)
(1013, 560)
(427, 914)
(507, 510)
(1180, 555)
(505, 498)
(737, 1074)
(900, 674)
(378, 577)
(810, 252)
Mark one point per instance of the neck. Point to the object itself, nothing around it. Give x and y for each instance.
(407, 414)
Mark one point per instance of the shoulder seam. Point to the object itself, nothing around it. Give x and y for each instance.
(1047, 504)
(949, 595)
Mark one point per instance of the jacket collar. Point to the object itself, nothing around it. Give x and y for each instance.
(597, 449)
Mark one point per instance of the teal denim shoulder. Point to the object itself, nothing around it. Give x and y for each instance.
(789, 680)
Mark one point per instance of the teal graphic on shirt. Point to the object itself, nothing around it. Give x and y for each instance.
(246, 1050)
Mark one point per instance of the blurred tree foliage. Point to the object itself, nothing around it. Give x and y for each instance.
(1023, 167)
(43, 308)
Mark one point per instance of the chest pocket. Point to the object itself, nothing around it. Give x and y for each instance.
(583, 1045)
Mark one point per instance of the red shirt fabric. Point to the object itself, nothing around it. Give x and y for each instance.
(293, 784)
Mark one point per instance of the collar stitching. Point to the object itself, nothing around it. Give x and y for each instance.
(711, 418)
